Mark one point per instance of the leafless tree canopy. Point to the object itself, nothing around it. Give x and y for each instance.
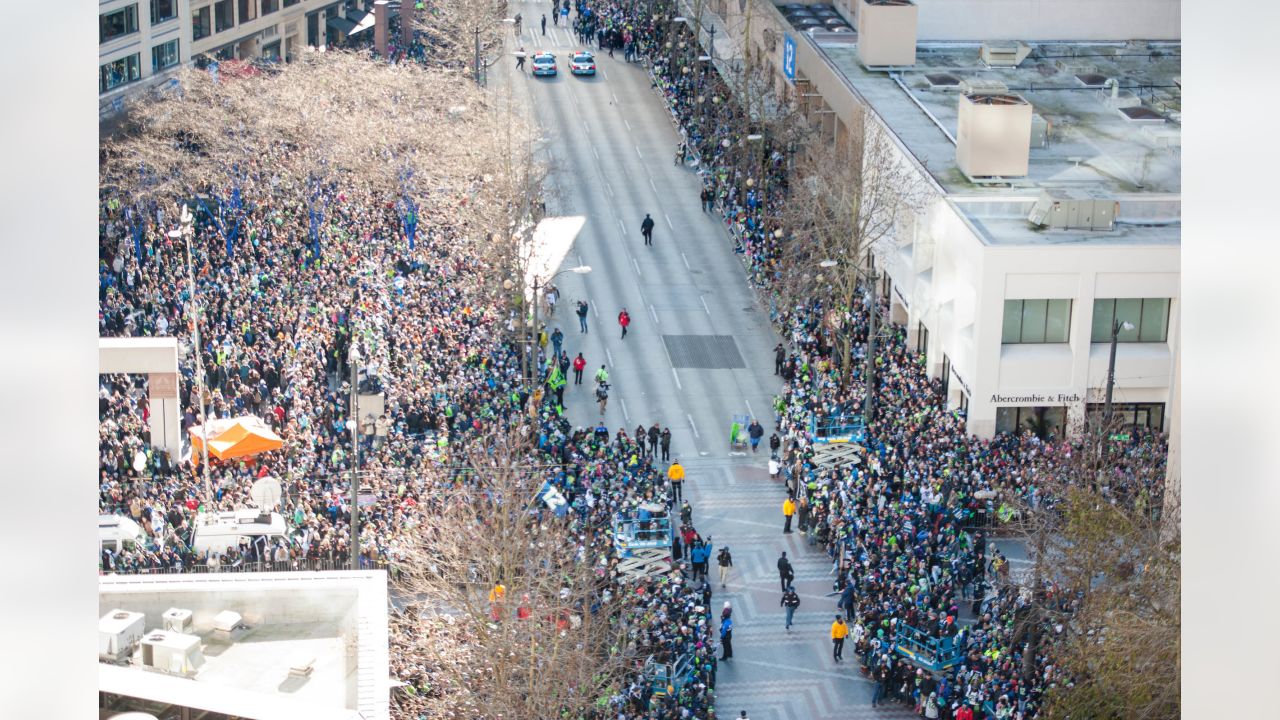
(499, 572)
(328, 118)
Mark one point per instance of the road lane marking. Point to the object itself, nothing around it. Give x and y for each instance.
(749, 410)
(624, 122)
(609, 355)
(593, 152)
(633, 262)
(705, 309)
(668, 217)
(692, 424)
(686, 262)
(637, 147)
(615, 97)
(654, 313)
(624, 410)
(655, 187)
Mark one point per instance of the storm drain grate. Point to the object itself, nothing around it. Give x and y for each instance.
(710, 352)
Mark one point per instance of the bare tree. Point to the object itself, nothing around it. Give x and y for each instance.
(1106, 577)
(847, 199)
(452, 32)
(496, 565)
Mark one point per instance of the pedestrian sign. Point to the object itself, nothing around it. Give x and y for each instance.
(789, 57)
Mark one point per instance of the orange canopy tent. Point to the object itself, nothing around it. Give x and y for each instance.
(234, 438)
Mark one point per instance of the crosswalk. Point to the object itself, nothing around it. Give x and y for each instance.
(558, 39)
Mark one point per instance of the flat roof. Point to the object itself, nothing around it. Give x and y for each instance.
(1092, 144)
(292, 616)
(1142, 220)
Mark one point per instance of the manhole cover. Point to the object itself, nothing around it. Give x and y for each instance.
(710, 352)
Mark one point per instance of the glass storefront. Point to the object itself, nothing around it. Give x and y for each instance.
(1043, 420)
(1132, 415)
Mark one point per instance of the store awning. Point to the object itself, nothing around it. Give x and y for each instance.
(363, 20)
(342, 25)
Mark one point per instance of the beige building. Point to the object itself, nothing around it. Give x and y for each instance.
(142, 42)
(1051, 168)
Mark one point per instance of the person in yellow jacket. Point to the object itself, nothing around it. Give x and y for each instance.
(788, 509)
(839, 631)
(675, 476)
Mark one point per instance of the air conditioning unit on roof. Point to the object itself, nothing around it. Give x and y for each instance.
(982, 86)
(1006, 54)
(887, 32)
(118, 633)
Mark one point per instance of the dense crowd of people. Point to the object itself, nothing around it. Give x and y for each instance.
(900, 527)
(284, 310)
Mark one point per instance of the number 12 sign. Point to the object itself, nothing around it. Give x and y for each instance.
(789, 57)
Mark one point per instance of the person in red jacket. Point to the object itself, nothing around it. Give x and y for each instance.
(624, 320)
(579, 364)
(964, 713)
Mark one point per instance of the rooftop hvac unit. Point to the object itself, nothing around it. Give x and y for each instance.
(226, 621)
(118, 633)
(993, 136)
(1073, 210)
(887, 32)
(177, 620)
(982, 86)
(172, 652)
(1004, 54)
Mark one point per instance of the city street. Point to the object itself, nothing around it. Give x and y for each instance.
(699, 351)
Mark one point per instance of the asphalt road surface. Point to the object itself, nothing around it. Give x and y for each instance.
(699, 352)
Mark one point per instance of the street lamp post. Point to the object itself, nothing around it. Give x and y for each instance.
(873, 280)
(1111, 367)
(537, 332)
(353, 423)
(187, 231)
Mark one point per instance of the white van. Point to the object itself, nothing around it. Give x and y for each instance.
(222, 531)
(117, 533)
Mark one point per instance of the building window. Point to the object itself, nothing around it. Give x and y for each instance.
(1043, 421)
(164, 56)
(248, 10)
(119, 72)
(922, 341)
(270, 6)
(223, 16)
(291, 3)
(1149, 318)
(200, 26)
(1132, 415)
(1036, 321)
(117, 23)
(163, 11)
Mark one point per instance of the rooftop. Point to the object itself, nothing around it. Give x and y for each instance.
(1001, 221)
(336, 620)
(1122, 145)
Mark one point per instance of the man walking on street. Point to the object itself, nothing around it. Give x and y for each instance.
(755, 431)
(839, 631)
(544, 23)
(582, 315)
(706, 199)
(557, 340)
(624, 319)
(654, 432)
(646, 229)
(520, 55)
(779, 357)
(579, 364)
(725, 560)
(666, 444)
(675, 476)
(785, 573)
(775, 442)
(790, 601)
(788, 509)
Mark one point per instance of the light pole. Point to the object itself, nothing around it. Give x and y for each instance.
(1116, 327)
(187, 231)
(537, 332)
(353, 424)
(872, 279)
